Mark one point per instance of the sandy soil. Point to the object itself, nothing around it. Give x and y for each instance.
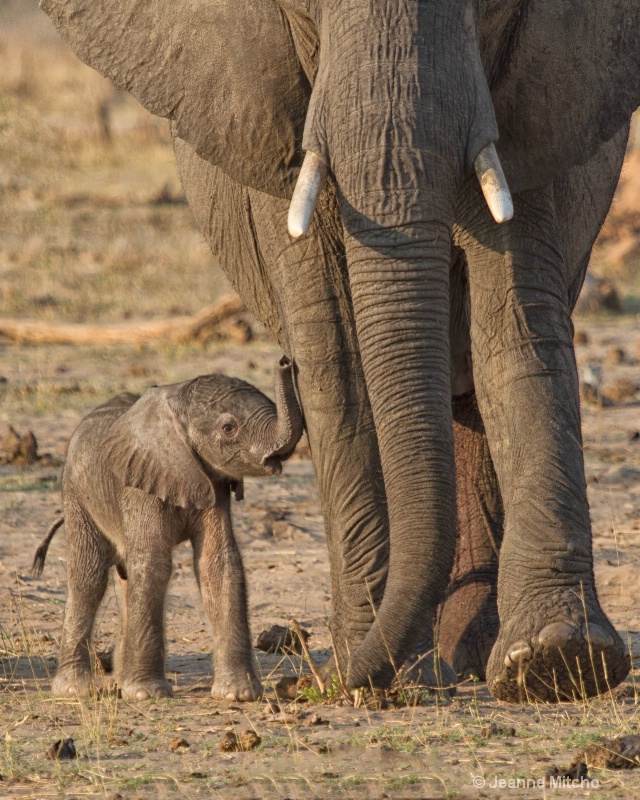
(435, 750)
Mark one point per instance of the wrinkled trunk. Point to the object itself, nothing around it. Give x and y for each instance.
(399, 283)
(289, 425)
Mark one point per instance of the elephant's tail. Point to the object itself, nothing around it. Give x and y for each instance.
(41, 552)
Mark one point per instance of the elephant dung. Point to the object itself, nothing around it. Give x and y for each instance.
(623, 752)
(279, 639)
(17, 449)
(233, 743)
(62, 749)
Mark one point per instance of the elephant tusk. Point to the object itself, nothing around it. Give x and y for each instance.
(311, 179)
(493, 183)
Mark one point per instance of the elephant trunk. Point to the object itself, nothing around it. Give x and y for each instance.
(400, 289)
(289, 425)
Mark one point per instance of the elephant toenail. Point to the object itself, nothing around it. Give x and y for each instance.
(596, 636)
(518, 653)
(557, 634)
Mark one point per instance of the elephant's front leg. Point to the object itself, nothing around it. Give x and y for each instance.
(555, 642)
(141, 650)
(218, 567)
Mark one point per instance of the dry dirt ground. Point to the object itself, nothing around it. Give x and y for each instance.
(92, 229)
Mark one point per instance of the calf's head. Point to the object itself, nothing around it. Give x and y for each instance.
(178, 442)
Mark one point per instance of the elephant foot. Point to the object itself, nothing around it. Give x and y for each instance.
(242, 688)
(74, 683)
(563, 661)
(428, 671)
(145, 690)
(468, 628)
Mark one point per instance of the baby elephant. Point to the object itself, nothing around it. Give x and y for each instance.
(143, 474)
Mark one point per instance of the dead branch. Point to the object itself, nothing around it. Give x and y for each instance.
(178, 329)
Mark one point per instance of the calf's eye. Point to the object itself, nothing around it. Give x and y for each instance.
(228, 428)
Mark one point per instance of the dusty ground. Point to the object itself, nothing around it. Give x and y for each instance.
(93, 229)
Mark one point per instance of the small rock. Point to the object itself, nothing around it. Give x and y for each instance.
(580, 338)
(288, 688)
(238, 329)
(179, 744)
(577, 771)
(271, 707)
(591, 384)
(199, 775)
(598, 294)
(61, 749)
(620, 390)
(232, 743)
(272, 523)
(634, 436)
(45, 301)
(19, 450)
(324, 748)
(249, 740)
(23, 450)
(316, 719)
(616, 355)
(136, 371)
(65, 388)
(279, 639)
(492, 730)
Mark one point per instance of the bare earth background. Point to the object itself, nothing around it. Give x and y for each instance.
(94, 228)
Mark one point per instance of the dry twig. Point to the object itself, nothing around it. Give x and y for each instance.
(177, 329)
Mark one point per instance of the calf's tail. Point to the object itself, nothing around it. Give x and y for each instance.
(41, 552)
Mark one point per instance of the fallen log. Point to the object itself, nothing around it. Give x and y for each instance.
(199, 327)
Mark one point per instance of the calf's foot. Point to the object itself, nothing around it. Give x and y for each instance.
(73, 683)
(145, 689)
(556, 658)
(243, 688)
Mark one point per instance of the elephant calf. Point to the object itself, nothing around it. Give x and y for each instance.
(144, 473)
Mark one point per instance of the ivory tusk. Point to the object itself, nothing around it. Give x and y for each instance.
(493, 183)
(311, 179)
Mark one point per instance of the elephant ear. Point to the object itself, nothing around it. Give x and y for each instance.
(148, 449)
(225, 71)
(570, 80)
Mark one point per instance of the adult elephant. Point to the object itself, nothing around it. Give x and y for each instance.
(406, 290)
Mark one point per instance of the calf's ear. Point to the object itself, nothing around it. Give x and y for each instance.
(148, 449)
(224, 71)
(569, 80)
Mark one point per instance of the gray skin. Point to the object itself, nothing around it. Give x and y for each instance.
(142, 475)
(406, 293)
